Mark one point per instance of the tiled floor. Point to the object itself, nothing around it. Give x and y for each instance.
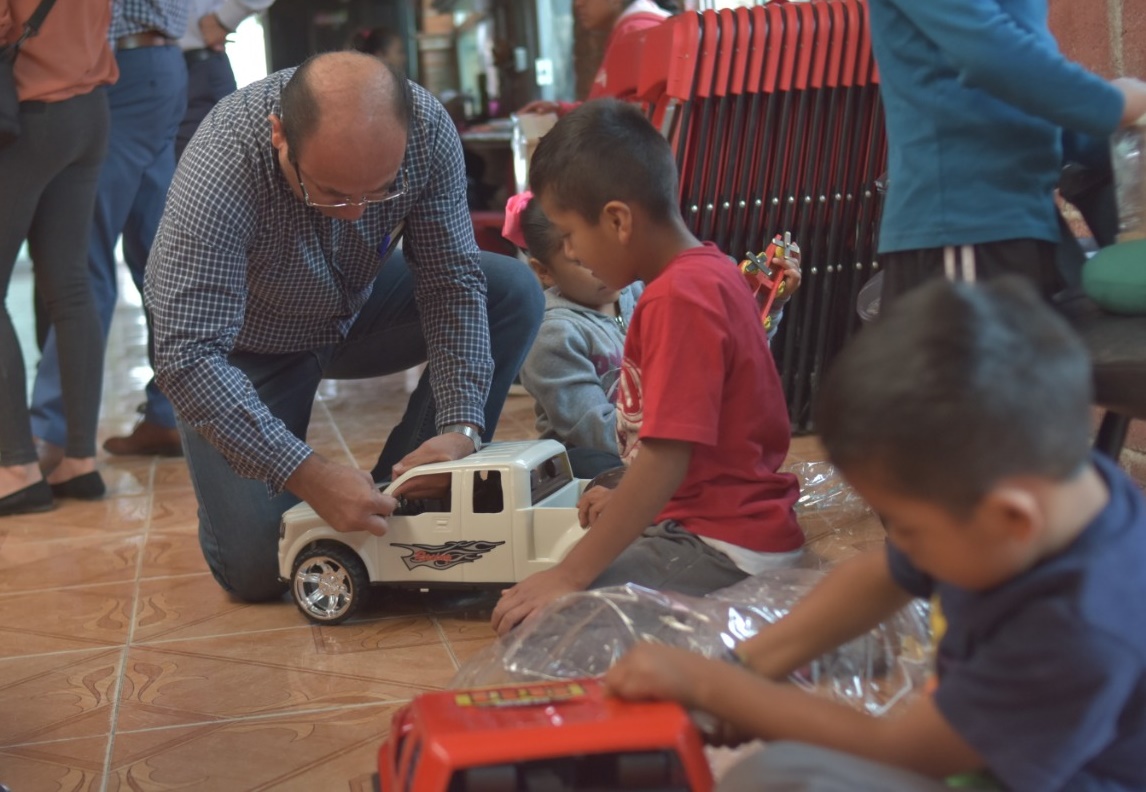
(123, 666)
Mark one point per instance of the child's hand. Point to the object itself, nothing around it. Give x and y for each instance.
(520, 603)
(592, 504)
(790, 269)
(654, 671)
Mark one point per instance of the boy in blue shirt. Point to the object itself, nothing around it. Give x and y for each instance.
(962, 416)
(976, 96)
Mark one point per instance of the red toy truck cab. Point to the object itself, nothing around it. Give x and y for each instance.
(563, 735)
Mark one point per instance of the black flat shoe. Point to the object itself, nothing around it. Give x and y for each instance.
(87, 486)
(34, 498)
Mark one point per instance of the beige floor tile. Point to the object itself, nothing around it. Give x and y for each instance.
(79, 519)
(279, 671)
(66, 766)
(168, 553)
(195, 606)
(334, 750)
(34, 565)
(175, 510)
(171, 474)
(57, 620)
(57, 696)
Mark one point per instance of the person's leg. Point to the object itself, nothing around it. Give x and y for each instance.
(666, 557)
(387, 338)
(151, 195)
(797, 767)
(58, 243)
(588, 463)
(24, 172)
(209, 79)
(238, 519)
(132, 142)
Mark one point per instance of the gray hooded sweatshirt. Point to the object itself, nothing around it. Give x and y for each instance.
(573, 367)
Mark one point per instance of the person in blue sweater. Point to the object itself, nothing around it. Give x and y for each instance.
(977, 96)
(1029, 546)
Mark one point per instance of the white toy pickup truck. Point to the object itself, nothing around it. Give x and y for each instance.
(510, 510)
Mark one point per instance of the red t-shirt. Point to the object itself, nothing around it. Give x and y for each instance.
(697, 368)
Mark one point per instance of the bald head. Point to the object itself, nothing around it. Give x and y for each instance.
(345, 98)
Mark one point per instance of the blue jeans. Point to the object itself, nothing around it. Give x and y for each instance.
(238, 520)
(147, 104)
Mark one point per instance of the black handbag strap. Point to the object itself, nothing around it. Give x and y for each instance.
(32, 26)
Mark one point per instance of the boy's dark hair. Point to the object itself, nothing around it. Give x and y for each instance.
(542, 239)
(606, 150)
(299, 103)
(957, 388)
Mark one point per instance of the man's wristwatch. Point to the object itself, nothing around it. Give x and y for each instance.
(465, 429)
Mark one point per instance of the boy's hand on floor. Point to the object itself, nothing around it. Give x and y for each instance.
(520, 603)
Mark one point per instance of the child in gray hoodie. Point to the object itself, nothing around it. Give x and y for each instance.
(572, 369)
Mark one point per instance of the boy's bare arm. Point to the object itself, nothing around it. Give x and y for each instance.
(644, 490)
(646, 487)
(853, 598)
(917, 739)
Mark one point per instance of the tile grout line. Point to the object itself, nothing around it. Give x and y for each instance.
(321, 403)
(121, 680)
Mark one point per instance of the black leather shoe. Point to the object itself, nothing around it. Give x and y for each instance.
(87, 486)
(34, 498)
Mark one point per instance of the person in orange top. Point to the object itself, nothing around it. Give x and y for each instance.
(49, 175)
(619, 17)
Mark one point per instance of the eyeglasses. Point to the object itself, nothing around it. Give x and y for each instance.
(396, 191)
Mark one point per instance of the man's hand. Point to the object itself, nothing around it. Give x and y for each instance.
(1134, 96)
(443, 448)
(213, 32)
(592, 504)
(347, 499)
(535, 592)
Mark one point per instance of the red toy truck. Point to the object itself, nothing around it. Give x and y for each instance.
(563, 736)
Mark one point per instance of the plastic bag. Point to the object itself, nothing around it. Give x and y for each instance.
(1128, 157)
(583, 634)
(836, 521)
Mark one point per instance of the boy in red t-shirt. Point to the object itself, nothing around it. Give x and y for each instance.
(701, 419)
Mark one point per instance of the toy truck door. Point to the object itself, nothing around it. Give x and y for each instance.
(488, 525)
(424, 535)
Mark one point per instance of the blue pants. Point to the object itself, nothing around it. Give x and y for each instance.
(238, 520)
(147, 104)
(209, 79)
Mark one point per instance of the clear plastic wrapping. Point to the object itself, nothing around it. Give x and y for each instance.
(583, 634)
(836, 522)
(1128, 155)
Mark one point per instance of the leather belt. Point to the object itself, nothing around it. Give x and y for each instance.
(200, 55)
(148, 38)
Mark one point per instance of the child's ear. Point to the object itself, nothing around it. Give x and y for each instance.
(618, 218)
(541, 271)
(1014, 513)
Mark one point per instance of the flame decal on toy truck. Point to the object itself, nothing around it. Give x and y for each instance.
(446, 555)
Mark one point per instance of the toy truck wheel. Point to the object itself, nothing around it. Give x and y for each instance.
(329, 582)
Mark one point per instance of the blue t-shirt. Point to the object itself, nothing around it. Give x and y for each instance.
(1045, 676)
(976, 94)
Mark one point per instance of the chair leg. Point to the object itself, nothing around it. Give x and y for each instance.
(1112, 434)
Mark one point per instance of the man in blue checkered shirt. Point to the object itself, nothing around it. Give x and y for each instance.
(276, 265)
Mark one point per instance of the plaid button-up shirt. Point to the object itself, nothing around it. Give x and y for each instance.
(241, 263)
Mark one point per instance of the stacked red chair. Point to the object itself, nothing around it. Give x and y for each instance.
(774, 114)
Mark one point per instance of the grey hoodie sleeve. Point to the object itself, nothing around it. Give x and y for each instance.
(571, 399)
